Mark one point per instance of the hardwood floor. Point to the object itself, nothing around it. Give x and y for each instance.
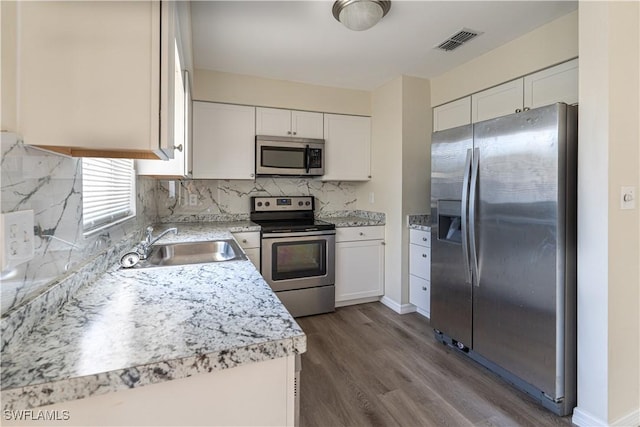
(366, 365)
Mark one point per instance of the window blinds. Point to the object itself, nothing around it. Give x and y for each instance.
(108, 192)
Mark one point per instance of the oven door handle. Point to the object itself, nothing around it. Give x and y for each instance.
(276, 235)
(307, 158)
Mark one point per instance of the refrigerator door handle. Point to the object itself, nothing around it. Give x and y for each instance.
(472, 214)
(464, 208)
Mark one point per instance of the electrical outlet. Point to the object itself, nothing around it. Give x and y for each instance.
(193, 199)
(17, 238)
(627, 197)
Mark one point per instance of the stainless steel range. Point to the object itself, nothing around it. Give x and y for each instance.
(297, 253)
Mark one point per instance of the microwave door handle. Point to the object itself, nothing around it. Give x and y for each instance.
(307, 157)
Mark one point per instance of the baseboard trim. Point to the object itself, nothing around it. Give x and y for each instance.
(398, 308)
(424, 313)
(583, 418)
(357, 301)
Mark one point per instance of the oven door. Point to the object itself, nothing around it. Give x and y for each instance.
(298, 260)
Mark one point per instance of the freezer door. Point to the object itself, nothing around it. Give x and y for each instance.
(520, 234)
(450, 279)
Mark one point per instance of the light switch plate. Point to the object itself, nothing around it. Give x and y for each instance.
(628, 197)
(17, 238)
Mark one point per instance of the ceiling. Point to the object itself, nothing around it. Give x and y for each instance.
(301, 40)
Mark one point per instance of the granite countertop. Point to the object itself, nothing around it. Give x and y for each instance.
(354, 218)
(419, 222)
(137, 327)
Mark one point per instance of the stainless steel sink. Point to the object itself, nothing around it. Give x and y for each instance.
(192, 253)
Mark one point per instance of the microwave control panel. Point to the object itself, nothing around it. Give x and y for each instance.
(315, 158)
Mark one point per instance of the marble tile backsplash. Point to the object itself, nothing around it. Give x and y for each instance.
(51, 185)
(202, 200)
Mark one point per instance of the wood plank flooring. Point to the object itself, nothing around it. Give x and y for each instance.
(366, 365)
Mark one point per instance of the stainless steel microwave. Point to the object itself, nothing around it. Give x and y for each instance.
(280, 155)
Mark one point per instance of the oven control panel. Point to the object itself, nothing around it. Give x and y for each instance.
(293, 203)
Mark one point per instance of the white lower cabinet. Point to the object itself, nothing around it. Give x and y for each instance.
(249, 241)
(264, 393)
(420, 270)
(359, 264)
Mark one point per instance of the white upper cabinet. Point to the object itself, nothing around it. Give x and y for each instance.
(180, 165)
(555, 84)
(223, 141)
(96, 78)
(453, 114)
(498, 101)
(279, 122)
(347, 148)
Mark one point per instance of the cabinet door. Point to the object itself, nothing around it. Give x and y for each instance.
(89, 77)
(497, 101)
(359, 270)
(420, 261)
(420, 294)
(555, 84)
(180, 165)
(223, 141)
(452, 114)
(305, 124)
(254, 256)
(348, 148)
(273, 122)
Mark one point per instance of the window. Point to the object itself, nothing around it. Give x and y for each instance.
(108, 192)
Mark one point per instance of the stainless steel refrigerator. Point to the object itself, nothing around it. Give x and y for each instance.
(503, 272)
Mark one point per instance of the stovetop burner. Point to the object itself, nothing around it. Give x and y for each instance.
(281, 214)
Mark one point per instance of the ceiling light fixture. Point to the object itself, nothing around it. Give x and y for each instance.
(359, 15)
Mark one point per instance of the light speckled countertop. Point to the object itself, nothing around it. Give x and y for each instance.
(137, 327)
(419, 222)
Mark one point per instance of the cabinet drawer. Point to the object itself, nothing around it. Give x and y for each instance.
(420, 293)
(350, 234)
(419, 237)
(248, 239)
(420, 261)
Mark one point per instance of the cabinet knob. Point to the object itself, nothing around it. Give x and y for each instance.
(383, 243)
(424, 288)
(288, 132)
(424, 255)
(518, 110)
(178, 147)
(252, 175)
(361, 233)
(424, 239)
(526, 109)
(244, 240)
(295, 133)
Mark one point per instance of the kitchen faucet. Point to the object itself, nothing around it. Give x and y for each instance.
(144, 247)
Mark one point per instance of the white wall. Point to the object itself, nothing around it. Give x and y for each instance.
(250, 90)
(608, 276)
(548, 45)
(416, 160)
(8, 74)
(386, 178)
(401, 134)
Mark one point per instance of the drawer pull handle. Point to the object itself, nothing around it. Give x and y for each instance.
(424, 255)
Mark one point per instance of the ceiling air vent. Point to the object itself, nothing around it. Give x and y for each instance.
(456, 40)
